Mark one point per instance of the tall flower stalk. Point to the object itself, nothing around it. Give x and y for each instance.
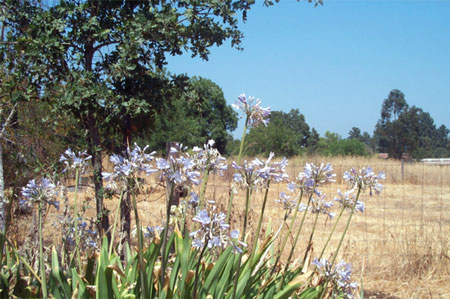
(341, 240)
(359, 180)
(213, 233)
(288, 205)
(42, 194)
(177, 171)
(319, 206)
(255, 115)
(41, 253)
(346, 200)
(125, 177)
(313, 177)
(140, 245)
(78, 163)
(247, 203)
(251, 176)
(208, 160)
(261, 216)
(241, 148)
(269, 171)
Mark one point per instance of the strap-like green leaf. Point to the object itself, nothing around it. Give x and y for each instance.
(59, 281)
(214, 275)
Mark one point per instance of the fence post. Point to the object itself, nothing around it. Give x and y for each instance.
(403, 169)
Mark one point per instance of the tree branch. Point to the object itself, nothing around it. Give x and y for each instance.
(8, 120)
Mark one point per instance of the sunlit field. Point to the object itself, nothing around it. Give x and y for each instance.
(399, 248)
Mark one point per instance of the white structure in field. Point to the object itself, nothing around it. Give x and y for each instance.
(437, 161)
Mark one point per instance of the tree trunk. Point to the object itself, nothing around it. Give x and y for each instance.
(125, 205)
(96, 153)
(2, 179)
(125, 221)
(2, 192)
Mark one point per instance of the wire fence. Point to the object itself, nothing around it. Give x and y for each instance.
(404, 231)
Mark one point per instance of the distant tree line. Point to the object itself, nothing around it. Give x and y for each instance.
(409, 130)
(401, 130)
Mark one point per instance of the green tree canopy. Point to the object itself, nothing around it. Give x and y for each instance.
(403, 129)
(87, 55)
(286, 134)
(334, 145)
(198, 114)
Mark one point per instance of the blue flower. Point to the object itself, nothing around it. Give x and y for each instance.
(320, 205)
(129, 167)
(286, 201)
(44, 192)
(213, 232)
(74, 161)
(252, 108)
(365, 178)
(209, 159)
(256, 174)
(179, 168)
(202, 217)
(339, 276)
(320, 174)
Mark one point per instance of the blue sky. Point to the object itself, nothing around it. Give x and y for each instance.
(336, 63)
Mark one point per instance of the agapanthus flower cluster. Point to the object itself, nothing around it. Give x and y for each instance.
(320, 174)
(87, 233)
(256, 174)
(75, 161)
(213, 231)
(209, 159)
(275, 171)
(179, 168)
(320, 205)
(347, 200)
(286, 202)
(338, 275)
(252, 108)
(302, 182)
(153, 231)
(43, 192)
(129, 167)
(234, 241)
(364, 178)
(193, 200)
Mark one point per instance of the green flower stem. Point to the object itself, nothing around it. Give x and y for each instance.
(241, 149)
(166, 232)
(286, 236)
(238, 270)
(346, 227)
(41, 255)
(230, 203)
(261, 216)
(185, 214)
(332, 232)
(115, 223)
(291, 253)
(141, 260)
(247, 207)
(341, 240)
(310, 240)
(198, 267)
(201, 200)
(75, 208)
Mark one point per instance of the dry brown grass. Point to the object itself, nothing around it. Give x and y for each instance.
(399, 248)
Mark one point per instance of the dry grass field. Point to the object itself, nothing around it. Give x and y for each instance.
(399, 248)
